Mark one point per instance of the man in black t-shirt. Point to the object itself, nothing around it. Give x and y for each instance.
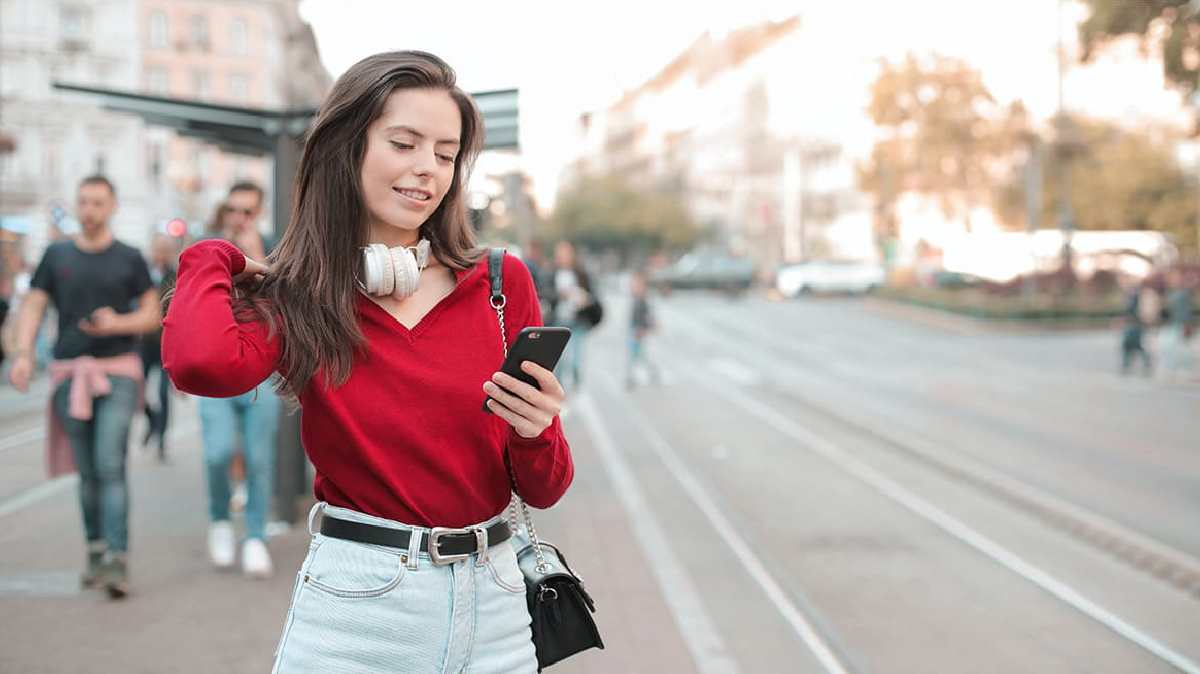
(104, 297)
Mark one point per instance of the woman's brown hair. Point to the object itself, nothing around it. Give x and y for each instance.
(312, 289)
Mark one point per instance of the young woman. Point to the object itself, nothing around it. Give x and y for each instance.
(414, 569)
(254, 415)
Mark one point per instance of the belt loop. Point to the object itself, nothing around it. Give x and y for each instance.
(481, 542)
(312, 513)
(415, 537)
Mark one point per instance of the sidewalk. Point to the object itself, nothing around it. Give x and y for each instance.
(185, 617)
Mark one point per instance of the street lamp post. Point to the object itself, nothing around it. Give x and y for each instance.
(1064, 138)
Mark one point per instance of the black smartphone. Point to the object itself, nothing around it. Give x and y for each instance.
(543, 345)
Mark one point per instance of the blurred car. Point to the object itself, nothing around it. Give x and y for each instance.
(711, 271)
(829, 276)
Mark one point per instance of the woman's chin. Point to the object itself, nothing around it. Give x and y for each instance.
(405, 226)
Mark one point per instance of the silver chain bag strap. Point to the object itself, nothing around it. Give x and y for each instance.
(560, 609)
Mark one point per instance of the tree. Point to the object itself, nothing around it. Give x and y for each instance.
(945, 136)
(1180, 44)
(1119, 179)
(607, 211)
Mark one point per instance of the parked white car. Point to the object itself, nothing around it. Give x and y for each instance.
(829, 276)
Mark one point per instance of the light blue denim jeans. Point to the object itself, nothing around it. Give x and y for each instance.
(571, 363)
(369, 608)
(256, 415)
(99, 445)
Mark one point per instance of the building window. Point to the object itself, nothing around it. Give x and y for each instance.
(154, 161)
(157, 81)
(239, 88)
(200, 85)
(158, 29)
(200, 32)
(73, 26)
(239, 37)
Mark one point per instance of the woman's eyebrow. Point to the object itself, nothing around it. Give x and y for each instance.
(418, 134)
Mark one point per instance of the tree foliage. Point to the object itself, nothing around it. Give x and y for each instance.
(1119, 179)
(1180, 21)
(944, 134)
(607, 211)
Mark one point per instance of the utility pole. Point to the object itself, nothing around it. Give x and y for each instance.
(1033, 207)
(1066, 218)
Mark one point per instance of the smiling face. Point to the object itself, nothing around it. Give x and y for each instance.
(409, 163)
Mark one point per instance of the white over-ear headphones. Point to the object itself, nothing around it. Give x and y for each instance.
(393, 271)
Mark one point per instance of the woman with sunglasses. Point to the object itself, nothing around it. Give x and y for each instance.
(252, 416)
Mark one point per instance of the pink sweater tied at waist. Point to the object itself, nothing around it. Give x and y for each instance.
(89, 380)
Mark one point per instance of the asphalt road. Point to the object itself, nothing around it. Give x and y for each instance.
(825, 485)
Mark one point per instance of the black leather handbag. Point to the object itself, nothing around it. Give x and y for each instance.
(560, 609)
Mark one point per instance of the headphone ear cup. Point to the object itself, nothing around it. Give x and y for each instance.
(407, 272)
(371, 271)
(387, 278)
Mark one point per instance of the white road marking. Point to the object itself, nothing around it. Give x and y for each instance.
(699, 633)
(952, 526)
(740, 548)
(50, 488)
(22, 438)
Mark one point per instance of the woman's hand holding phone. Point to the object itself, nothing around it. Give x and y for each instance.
(528, 410)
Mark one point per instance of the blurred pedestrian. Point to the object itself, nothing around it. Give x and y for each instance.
(95, 282)
(1177, 357)
(254, 414)
(375, 308)
(641, 325)
(572, 298)
(1133, 329)
(12, 276)
(543, 276)
(163, 255)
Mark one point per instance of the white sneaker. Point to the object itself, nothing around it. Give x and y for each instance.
(256, 559)
(222, 545)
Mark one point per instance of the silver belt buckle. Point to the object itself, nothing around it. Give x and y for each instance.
(435, 535)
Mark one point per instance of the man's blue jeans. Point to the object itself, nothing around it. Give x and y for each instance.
(256, 415)
(100, 450)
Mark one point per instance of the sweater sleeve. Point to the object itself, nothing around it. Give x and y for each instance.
(205, 350)
(542, 465)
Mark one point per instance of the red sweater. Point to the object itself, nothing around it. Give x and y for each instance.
(405, 437)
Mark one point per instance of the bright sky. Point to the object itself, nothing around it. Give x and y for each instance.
(568, 57)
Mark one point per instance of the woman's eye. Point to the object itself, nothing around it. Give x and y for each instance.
(401, 146)
(446, 157)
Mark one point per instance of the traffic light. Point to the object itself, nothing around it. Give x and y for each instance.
(177, 228)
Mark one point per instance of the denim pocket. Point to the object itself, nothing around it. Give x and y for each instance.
(354, 570)
(502, 566)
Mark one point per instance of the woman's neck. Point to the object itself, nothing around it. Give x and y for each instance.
(393, 237)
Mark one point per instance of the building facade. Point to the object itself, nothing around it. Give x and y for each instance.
(252, 53)
(751, 135)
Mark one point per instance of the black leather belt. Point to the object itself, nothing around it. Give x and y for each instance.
(444, 545)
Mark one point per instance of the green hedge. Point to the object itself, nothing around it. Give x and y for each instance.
(982, 305)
